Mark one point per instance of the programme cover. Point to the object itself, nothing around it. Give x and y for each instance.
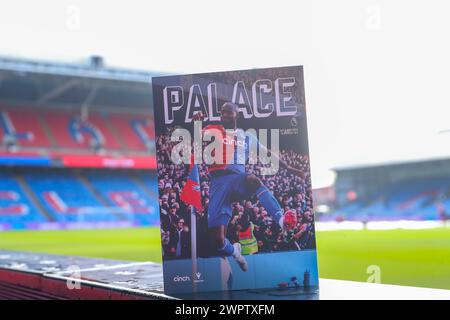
(234, 181)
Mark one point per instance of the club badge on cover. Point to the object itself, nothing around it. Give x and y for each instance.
(234, 182)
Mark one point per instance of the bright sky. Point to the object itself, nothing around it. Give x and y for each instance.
(376, 72)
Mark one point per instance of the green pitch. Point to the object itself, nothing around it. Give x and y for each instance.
(405, 257)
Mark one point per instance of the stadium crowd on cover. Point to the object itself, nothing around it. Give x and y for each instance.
(291, 191)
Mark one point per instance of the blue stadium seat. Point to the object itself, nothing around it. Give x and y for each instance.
(408, 200)
(133, 197)
(15, 207)
(67, 198)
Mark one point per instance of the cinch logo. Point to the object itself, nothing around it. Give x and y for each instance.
(181, 279)
(231, 142)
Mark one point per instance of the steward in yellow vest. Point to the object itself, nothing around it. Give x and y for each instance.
(247, 239)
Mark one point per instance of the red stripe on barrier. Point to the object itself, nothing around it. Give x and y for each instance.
(86, 161)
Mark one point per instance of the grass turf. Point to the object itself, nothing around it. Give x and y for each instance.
(405, 257)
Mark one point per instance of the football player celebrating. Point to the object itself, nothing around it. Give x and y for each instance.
(229, 182)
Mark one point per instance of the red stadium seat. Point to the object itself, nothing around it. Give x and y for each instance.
(58, 122)
(127, 126)
(114, 131)
(99, 121)
(29, 132)
(60, 126)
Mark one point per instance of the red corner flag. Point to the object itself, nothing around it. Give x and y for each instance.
(191, 191)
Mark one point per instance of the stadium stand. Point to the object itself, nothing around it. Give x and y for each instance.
(16, 209)
(70, 131)
(66, 198)
(22, 128)
(57, 120)
(149, 182)
(416, 199)
(123, 190)
(101, 130)
(136, 132)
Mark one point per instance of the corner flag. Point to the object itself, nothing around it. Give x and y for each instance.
(191, 191)
(191, 195)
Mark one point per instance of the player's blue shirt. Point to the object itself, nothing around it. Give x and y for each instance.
(242, 146)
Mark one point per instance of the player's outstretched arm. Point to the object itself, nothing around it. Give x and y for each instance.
(284, 164)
